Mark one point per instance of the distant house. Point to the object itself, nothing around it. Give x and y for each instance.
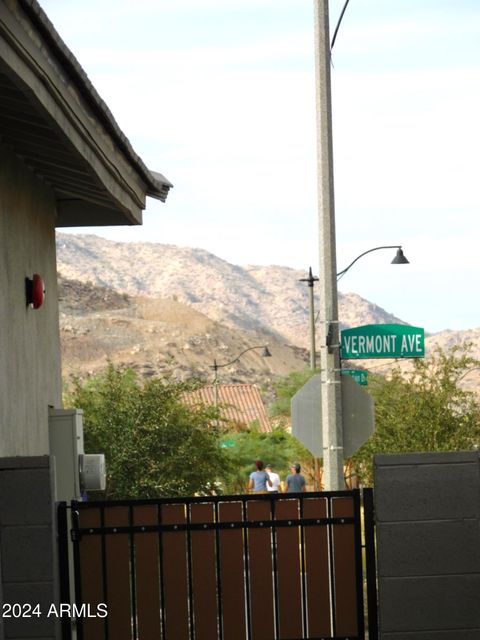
(63, 162)
(240, 405)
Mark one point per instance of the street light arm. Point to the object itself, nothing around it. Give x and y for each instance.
(216, 366)
(338, 24)
(344, 271)
(266, 353)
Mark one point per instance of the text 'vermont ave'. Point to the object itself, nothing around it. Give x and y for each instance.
(366, 345)
(383, 341)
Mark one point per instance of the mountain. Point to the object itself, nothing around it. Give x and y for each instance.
(169, 310)
(158, 336)
(270, 300)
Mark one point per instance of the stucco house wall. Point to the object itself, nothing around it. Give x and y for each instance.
(30, 377)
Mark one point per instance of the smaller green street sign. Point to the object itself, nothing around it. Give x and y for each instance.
(227, 443)
(359, 375)
(383, 341)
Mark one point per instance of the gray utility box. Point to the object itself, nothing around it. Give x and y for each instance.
(66, 445)
(92, 472)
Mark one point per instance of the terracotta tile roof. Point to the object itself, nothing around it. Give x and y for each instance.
(239, 403)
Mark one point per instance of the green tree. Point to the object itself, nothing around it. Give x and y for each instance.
(277, 447)
(154, 445)
(285, 388)
(423, 410)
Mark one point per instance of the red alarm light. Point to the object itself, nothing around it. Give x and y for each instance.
(35, 291)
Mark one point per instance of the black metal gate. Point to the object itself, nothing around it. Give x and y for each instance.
(249, 567)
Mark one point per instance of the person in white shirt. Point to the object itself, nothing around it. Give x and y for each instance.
(274, 479)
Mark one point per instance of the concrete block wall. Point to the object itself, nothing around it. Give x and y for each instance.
(28, 565)
(427, 508)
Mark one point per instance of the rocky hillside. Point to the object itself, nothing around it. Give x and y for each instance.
(269, 300)
(168, 310)
(158, 336)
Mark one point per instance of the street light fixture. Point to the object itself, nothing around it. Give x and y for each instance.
(265, 354)
(398, 259)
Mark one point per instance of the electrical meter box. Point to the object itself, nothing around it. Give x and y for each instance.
(92, 472)
(66, 445)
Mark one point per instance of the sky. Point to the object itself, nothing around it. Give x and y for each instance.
(219, 96)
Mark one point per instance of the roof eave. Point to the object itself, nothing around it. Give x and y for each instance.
(105, 174)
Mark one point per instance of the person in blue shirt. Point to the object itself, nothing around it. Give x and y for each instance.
(295, 481)
(259, 479)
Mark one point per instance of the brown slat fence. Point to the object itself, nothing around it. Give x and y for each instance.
(253, 567)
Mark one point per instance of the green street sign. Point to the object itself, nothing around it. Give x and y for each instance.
(227, 443)
(359, 375)
(383, 341)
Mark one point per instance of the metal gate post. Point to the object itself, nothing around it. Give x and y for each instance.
(76, 564)
(63, 565)
(371, 565)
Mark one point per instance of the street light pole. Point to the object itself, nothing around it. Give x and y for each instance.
(215, 382)
(331, 391)
(311, 281)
